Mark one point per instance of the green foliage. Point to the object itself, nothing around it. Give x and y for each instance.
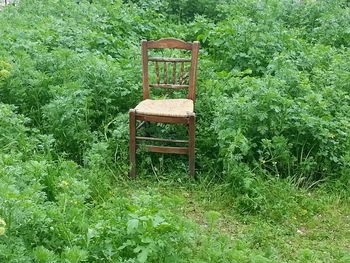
(289, 132)
(46, 206)
(183, 11)
(273, 124)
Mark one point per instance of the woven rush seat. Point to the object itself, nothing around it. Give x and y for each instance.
(166, 107)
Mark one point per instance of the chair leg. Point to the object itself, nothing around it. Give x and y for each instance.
(132, 143)
(191, 146)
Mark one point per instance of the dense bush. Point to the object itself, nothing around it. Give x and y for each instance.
(183, 10)
(281, 93)
(49, 213)
(56, 211)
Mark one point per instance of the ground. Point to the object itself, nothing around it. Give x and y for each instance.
(305, 237)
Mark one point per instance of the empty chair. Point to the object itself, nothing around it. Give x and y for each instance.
(182, 73)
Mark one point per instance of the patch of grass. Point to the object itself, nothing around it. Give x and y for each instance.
(317, 230)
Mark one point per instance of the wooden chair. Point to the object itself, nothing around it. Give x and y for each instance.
(173, 111)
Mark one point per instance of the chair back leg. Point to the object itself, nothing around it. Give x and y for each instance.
(132, 142)
(191, 145)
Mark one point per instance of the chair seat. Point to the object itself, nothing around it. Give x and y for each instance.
(167, 107)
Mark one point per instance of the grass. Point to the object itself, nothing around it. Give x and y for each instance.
(316, 230)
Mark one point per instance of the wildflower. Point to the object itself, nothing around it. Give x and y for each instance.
(2, 227)
(64, 183)
(301, 231)
(2, 222)
(4, 73)
(5, 65)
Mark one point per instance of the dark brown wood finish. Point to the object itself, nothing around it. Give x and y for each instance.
(193, 72)
(174, 73)
(162, 119)
(157, 74)
(166, 149)
(179, 83)
(169, 43)
(145, 69)
(168, 86)
(160, 139)
(181, 73)
(165, 74)
(169, 59)
(191, 146)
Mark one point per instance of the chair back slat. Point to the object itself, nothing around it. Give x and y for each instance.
(157, 73)
(181, 73)
(174, 73)
(165, 74)
(186, 80)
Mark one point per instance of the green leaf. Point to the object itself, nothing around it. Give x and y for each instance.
(132, 225)
(142, 257)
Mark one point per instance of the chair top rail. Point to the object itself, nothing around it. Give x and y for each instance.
(169, 43)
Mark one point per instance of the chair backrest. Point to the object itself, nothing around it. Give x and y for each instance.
(176, 81)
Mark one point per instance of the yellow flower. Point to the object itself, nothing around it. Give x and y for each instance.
(64, 183)
(5, 65)
(2, 227)
(4, 73)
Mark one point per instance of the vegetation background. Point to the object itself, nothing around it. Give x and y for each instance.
(273, 133)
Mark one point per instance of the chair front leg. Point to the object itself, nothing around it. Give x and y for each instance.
(191, 145)
(132, 142)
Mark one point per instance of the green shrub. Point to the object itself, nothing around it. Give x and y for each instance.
(285, 133)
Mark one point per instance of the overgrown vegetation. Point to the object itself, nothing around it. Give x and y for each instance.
(273, 134)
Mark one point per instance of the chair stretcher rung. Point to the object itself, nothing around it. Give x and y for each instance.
(165, 149)
(160, 139)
